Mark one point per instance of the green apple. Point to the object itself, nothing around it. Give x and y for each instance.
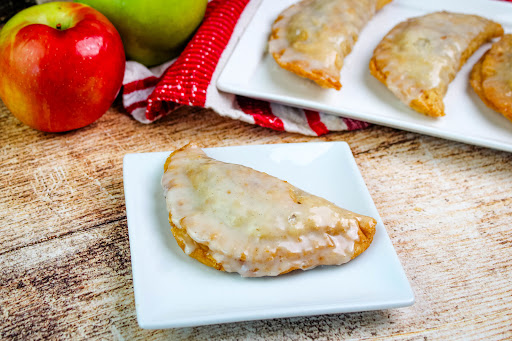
(153, 31)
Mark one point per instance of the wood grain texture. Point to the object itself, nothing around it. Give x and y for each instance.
(65, 268)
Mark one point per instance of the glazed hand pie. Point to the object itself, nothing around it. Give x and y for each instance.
(312, 37)
(419, 57)
(491, 77)
(236, 219)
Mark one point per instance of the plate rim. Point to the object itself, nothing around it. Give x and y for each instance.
(225, 84)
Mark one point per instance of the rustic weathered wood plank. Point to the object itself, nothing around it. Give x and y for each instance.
(64, 254)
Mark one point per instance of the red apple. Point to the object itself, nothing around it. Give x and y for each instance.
(61, 65)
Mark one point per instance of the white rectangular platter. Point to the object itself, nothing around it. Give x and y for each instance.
(252, 72)
(173, 290)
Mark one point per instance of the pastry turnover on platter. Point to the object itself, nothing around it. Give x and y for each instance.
(236, 219)
(312, 37)
(491, 77)
(419, 57)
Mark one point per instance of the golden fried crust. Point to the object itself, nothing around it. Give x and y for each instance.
(366, 233)
(301, 67)
(491, 77)
(327, 77)
(322, 78)
(430, 101)
(475, 80)
(491, 31)
(201, 251)
(169, 158)
(382, 3)
(376, 71)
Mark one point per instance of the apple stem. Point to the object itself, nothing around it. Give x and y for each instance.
(59, 26)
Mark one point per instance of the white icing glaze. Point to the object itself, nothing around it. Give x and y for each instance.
(425, 52)
(252, 223)
(320, 33)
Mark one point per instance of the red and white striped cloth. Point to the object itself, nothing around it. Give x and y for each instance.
(149, 94)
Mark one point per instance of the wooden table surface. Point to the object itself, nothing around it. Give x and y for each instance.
(65, 267)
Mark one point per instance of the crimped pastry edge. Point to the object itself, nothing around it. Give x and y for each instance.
(430, 102)
(300, 68)
(202, 253)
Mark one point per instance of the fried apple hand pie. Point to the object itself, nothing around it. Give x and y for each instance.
(236, 219)
(491, 77)
(312, 37)
(419, 57)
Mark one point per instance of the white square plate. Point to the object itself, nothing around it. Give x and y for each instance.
(252, 72)
(173, 290)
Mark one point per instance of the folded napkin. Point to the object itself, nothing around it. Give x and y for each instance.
(190, 79)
